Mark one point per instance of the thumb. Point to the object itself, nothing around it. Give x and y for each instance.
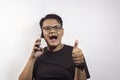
(76, 43)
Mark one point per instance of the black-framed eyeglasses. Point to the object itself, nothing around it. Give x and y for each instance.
(49, 28)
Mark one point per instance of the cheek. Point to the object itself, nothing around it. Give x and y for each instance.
(45, 34)
(61, 33)
(60, 36)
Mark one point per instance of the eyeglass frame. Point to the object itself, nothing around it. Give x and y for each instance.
(49, 28)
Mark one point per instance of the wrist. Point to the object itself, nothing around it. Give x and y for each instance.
(80, 66)
(32, 58)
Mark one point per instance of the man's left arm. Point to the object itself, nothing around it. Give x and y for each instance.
(80, 74)
(81, 70)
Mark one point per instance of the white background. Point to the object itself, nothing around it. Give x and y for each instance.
(96, 23)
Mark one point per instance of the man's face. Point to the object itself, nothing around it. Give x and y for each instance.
(52, 32)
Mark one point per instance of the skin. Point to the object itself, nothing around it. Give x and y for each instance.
(52, 45)
(56, 44)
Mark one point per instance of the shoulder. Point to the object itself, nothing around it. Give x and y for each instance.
(68, 47)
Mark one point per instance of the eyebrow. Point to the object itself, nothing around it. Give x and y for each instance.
(52, 26)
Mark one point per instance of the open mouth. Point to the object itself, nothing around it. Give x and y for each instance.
(54, 37)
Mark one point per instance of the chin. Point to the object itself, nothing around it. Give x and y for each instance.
(53, 44)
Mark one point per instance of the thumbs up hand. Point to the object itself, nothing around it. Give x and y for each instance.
(77, 54)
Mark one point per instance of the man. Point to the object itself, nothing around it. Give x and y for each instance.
(57, 61)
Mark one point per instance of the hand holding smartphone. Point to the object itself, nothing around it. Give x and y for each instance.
(37, 49)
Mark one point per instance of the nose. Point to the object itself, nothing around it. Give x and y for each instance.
(52, 30)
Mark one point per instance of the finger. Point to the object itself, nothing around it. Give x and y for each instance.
(38, 40)
(36, 48)
(78, 55)
(78, 58)
(76, 43)
(77, 62)
(37, 44)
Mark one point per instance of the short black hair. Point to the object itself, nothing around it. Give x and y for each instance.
(50, 16)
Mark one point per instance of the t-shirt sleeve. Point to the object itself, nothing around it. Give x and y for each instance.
(86, 69)
(84, 66)
(34, 72)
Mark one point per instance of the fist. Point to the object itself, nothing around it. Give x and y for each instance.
(77, 54)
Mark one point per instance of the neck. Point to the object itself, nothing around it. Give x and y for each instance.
(55, 48)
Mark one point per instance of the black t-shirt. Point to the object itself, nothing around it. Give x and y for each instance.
(57, 65)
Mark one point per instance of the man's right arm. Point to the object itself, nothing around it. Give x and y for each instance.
(28, 69)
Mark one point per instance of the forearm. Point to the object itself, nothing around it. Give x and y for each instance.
(27, 71)
(80, 74)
